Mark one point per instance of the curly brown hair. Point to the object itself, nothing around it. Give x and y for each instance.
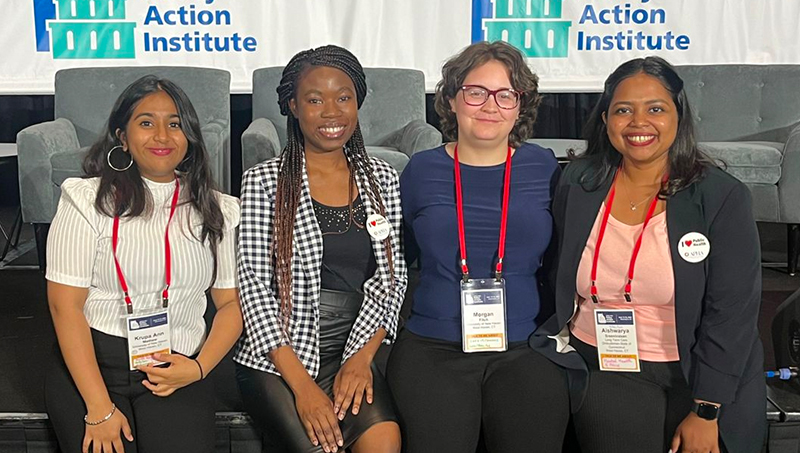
(522, 79)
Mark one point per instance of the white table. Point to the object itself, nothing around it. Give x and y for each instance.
(8, 150)
(561, 146)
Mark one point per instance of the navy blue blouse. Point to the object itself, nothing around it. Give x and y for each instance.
(427, 190)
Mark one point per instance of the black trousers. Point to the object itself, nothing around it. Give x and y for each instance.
(270, 401)
(446, 397)
(181, 422)
(631, 411)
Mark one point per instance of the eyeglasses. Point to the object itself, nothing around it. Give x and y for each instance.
(476, 95)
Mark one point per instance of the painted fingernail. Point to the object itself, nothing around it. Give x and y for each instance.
(341, 416)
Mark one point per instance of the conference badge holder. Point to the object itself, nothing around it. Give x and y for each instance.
(148, 333)
(148, 330)
(483, 300)
(483, 315)
(617, 349)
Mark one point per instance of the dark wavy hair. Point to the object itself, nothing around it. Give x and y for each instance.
(686, 162)
(456, 69)
(124, 193)
(292, 163)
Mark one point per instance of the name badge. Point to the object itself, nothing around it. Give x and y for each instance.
(148, 334)
(616, 340)
(483, 315)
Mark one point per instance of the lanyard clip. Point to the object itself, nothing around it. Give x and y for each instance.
(628, 291)
(128, 303)
(593, 290)
(465, 277)
(498, 270)
(165, 297)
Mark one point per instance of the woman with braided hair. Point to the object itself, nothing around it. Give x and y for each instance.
(320, 269)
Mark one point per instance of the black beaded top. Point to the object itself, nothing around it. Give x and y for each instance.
(347, 258)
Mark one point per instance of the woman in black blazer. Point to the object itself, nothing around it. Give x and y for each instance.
(710, 396)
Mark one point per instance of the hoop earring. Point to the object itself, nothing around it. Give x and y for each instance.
(108, 159)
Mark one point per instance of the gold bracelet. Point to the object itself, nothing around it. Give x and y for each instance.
(104, 419)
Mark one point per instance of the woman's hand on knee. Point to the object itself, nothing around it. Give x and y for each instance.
(181, 372)
(696, 435)
(316, 412)
(353, 381)
(105, 437)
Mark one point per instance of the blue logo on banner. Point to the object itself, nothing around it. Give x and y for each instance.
(532, 26)
(83, 29)
(43, 10)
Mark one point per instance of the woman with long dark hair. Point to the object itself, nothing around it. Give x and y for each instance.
(658, 284)
(132, 250)
(320, 268)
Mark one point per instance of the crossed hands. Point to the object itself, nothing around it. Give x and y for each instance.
(320, 416)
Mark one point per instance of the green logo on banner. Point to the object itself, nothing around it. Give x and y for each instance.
(91, 29)
(531, 26)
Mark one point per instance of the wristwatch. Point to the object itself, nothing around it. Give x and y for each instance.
(705, 411)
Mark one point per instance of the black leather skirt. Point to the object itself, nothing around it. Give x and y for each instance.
(270, 401)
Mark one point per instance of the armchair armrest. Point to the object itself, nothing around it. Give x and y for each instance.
(259, 142)
(414, 136)
(35, 145)
(789, 184)
(214, 135)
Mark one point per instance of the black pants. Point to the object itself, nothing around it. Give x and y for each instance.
(445, 397)
(270, 401)
(181, 422)
(635, 412)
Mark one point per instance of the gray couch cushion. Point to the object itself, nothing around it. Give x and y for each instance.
(393, 156)
(750, 162)
(67, 165)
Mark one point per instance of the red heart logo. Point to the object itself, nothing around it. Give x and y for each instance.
(373, 223)
(688, 243)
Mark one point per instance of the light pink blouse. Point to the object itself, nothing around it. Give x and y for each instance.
(653, 289)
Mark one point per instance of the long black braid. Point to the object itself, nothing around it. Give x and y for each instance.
(290, 175)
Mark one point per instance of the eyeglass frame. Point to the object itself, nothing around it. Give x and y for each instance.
(491, 93)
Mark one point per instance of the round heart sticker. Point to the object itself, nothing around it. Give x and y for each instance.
(378, 227)
(694, 247)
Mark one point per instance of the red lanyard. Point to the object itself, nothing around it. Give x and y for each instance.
(636, 247)
(167, 256)
(462, 241)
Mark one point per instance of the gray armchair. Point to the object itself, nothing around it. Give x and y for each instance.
(392, 118)
(50, 152)
(748, 116)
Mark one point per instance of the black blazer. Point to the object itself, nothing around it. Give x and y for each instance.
(716, 300)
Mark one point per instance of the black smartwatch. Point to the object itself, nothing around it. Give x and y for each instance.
(705, 411)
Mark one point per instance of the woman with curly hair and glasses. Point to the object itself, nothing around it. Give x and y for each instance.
(321, 271)
(477, 214)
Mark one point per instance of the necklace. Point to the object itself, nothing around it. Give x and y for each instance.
(631, 203)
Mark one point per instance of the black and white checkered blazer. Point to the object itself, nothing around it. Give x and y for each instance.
(259, 290)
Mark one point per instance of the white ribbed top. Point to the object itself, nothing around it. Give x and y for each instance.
(79, 254)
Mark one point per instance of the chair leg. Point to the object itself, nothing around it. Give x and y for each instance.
(793, 231)
(40, 231)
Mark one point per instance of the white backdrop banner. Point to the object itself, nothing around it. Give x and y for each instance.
(572, 44)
